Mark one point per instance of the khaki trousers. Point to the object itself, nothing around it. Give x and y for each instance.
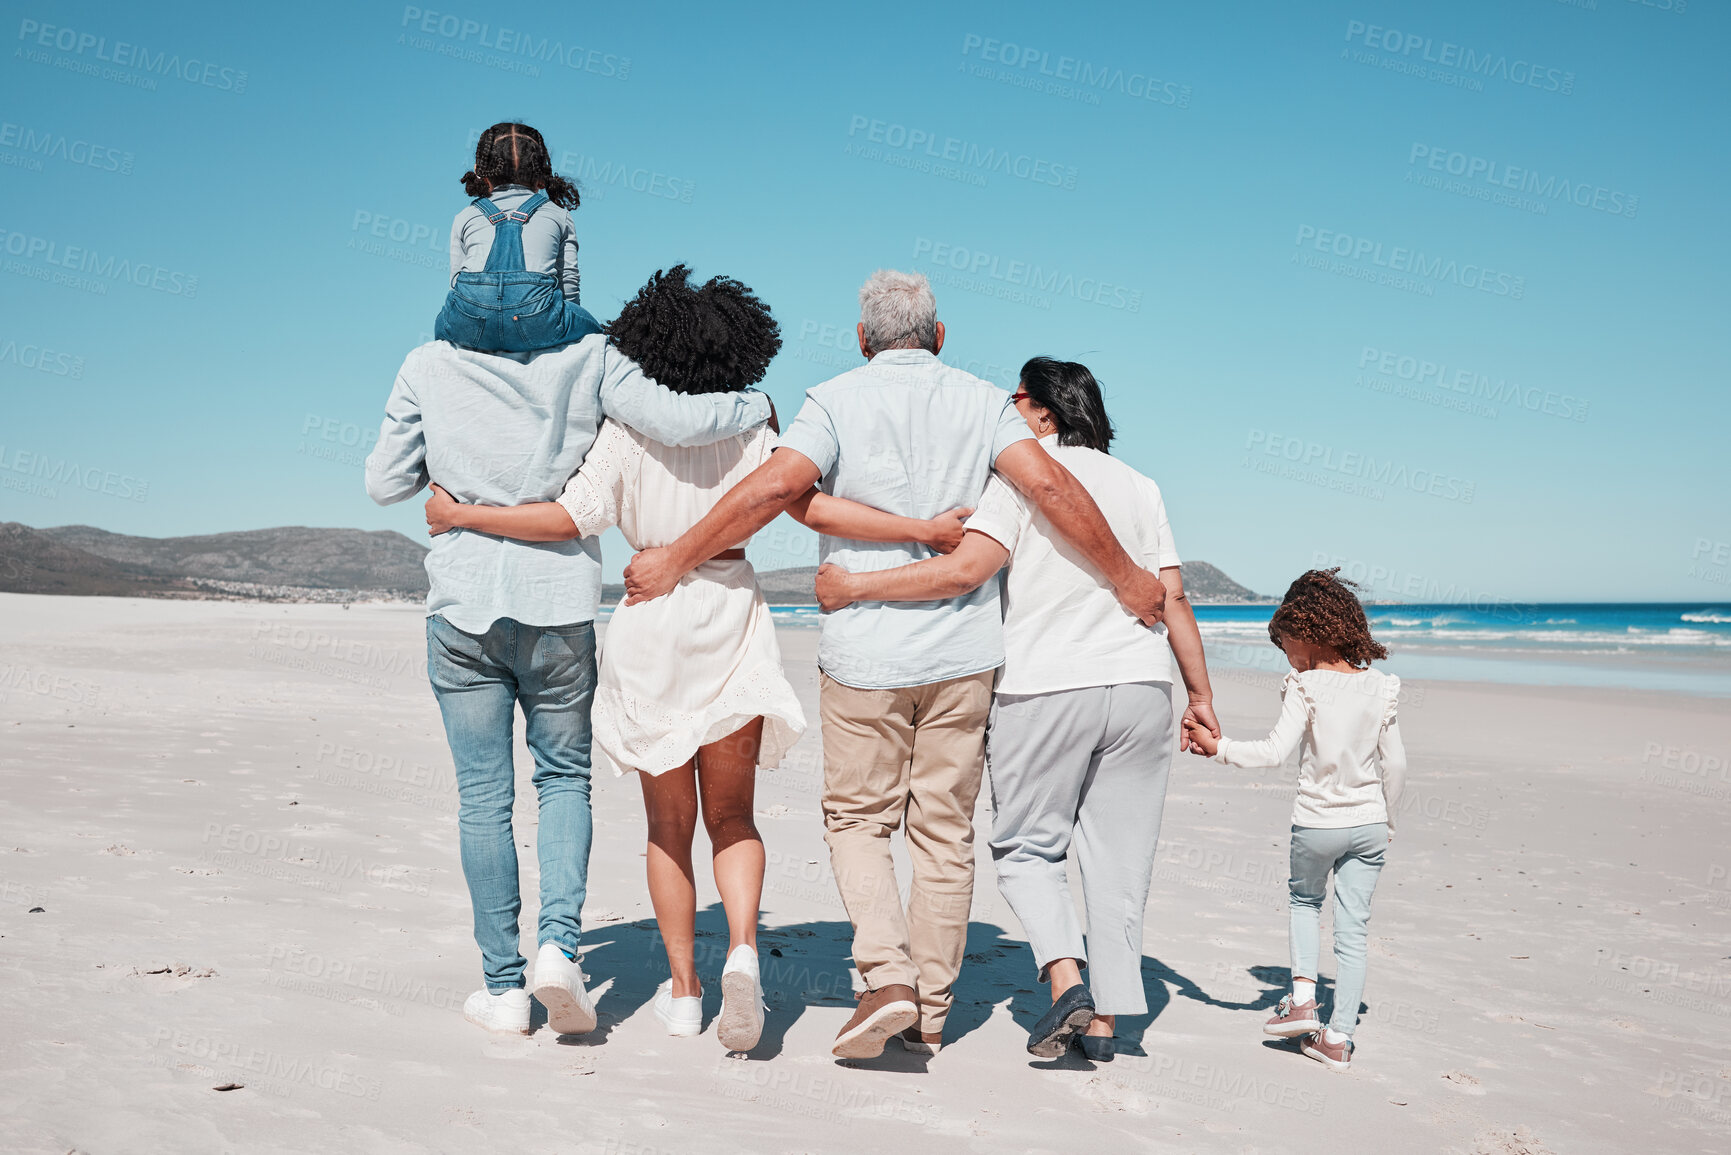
(913, 753)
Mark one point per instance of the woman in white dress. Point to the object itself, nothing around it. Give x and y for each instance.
(691, 692)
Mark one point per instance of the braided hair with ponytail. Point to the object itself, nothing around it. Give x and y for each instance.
(512, 153)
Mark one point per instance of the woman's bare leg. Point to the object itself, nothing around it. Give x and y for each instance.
(670, 802)
(727, 776)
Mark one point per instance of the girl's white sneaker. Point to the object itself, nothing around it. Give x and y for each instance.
(683, 1017)
(741, 1022)
(505, 1011)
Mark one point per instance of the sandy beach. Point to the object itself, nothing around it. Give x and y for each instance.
(228, 855)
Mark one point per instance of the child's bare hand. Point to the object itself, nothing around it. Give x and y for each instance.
(1199, 740)
(442, 512)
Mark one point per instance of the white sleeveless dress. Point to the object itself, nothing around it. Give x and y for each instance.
(690, 668)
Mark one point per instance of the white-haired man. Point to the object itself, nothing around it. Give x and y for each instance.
(906, 686)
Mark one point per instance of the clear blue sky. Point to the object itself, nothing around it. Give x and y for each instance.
(1197, 160)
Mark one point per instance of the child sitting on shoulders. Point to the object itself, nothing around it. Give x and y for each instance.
(514, 283)
(1340, 715)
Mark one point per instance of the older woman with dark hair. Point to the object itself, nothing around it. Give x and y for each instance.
(1082, 729)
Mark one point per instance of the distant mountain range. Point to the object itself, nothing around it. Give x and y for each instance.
(293, 563)
(301, 564)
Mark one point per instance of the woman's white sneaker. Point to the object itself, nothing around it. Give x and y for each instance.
(683, 1017)
(505, 1011)
(559, 988)
(741, 1022)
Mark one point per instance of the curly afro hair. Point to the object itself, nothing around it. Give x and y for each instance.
(710, 338)
(1322, 608)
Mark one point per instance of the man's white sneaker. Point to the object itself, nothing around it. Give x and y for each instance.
(559, 987)
(505, 1011)
(741, 1022)
(682, 1017)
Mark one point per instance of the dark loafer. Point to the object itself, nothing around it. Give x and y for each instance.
(1069, 1016)
(1099, 1048)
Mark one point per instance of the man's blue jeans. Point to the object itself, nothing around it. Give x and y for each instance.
(479, 679)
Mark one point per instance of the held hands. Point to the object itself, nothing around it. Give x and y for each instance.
(833, 586)
(443, 512)
(946, 530)
(1198, 739)
(650, 575)
(1201, 729)
(1145, 596)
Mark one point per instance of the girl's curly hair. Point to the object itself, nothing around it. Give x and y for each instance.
(708, 338)
(1322, 608)
(511, 153)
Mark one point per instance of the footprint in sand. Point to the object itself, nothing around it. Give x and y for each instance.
(1464, 1082)
(1520, 1141)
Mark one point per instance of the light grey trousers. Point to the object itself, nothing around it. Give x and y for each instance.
(1082, 770)
(1354, 856)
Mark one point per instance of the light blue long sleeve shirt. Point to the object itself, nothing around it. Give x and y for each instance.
(507, 429)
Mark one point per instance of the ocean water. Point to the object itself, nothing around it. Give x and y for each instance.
(1682, 647)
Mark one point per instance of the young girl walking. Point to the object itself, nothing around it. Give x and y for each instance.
(514, 283)
(1340, 715)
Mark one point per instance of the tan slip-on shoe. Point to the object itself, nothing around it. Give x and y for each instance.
(880, 1014)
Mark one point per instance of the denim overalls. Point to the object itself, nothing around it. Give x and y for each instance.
(505, 308)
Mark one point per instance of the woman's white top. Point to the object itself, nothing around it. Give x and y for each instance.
(1351, 763)
(688, 669)
(1064, 628)
(549, 240)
